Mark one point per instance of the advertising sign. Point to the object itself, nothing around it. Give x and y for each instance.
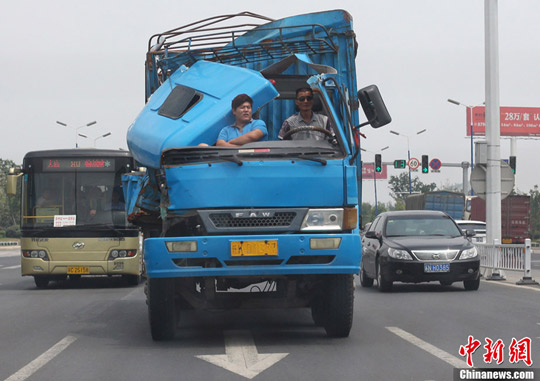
(515, 121)
(369, 169)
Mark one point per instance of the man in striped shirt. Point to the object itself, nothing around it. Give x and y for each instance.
(304, 118)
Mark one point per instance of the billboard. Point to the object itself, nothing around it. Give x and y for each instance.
(515, 121)
(368, 171)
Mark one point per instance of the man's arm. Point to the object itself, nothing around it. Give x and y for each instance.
(249, 137)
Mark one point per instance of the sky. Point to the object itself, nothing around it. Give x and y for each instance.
(79, 62)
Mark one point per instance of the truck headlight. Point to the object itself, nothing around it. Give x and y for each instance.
(469, 253)
(323, 220)
(399, 254)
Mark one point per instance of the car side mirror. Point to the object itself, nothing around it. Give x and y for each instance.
(470, 233)
(371, 234)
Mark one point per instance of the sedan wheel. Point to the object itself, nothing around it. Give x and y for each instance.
(383, 284)
(365, 280)
(471, 285)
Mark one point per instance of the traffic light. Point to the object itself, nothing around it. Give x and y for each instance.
(400, 164)
(512, 163)
(378, 162)
(425, 164)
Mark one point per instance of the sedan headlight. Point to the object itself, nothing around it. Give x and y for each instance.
(399, 254)
(469, 253)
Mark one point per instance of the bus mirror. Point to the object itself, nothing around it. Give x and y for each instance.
(13, 175)
(374, 107)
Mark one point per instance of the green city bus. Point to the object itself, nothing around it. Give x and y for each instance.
(73, 218)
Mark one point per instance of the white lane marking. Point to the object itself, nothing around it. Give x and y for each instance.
(43, 359)
(241, 355)
(523, 287)
(11, 267)
(135, 293)
(445, 356)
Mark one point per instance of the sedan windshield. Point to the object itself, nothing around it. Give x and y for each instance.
(420, 226)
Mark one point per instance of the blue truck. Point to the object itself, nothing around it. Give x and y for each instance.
(452, 203)
(270, 224)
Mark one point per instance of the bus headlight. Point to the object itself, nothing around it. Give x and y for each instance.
(114, 254)
(41, 254)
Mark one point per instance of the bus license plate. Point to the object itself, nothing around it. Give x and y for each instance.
(78, 270)
(436, 267)
(253, 248)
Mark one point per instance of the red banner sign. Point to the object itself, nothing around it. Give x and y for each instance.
(515, 121)
(368, 171)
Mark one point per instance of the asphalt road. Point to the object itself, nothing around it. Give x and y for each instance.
(97, 329)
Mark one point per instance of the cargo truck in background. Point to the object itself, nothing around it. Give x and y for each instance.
(269, 224)
(452, 203)
(515, 216)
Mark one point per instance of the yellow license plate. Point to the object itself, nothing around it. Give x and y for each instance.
(253, 248)
(78, 270)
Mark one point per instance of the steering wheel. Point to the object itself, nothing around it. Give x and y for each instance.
(288, 135)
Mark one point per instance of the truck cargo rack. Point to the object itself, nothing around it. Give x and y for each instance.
(204, 40)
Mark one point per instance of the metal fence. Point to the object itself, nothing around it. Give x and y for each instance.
(496, 257)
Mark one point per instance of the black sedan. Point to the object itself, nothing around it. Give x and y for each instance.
(418, 246)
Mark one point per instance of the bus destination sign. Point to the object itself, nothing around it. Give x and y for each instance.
(90, 164)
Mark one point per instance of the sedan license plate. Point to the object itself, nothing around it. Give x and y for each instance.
(436, 267)
(78, 270)
(253, 248)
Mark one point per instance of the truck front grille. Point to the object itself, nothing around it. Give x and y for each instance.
(226, 220)
(277, 220)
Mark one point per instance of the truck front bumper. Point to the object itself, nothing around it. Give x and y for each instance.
(220, 256)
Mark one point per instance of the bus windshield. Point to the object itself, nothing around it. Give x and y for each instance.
(62, 198)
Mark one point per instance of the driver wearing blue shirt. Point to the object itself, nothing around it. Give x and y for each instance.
(245, 129)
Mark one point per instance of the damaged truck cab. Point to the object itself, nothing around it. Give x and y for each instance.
(272, 223)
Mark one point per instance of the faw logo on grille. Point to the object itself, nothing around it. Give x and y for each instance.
(253, 214)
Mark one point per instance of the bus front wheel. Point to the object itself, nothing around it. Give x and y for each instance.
(161, 308)
(41, 281)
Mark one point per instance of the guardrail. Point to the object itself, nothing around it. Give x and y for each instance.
(9, 243)
(496, 257)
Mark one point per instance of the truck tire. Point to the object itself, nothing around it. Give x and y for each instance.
(41, 281)
(161, 308)
(339, 304)
(318, 312)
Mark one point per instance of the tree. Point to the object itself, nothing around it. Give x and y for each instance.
(10, 206)
(535, 212)
(400, 186)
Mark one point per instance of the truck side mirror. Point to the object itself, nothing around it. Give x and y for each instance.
(374, 107)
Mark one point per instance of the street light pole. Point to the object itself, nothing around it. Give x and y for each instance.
(102, 136)
(408, 153)
(76, 130)
(470, 111)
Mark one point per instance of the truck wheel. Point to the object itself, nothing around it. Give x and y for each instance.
(339, 304)
(318, 312)
(472, 285)
(161, 308)
(365, 280)
(41, 281)
(383, 284)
